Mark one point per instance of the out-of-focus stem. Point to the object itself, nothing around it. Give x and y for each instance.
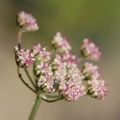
(35, 107)
(21, 78)
(27, 73)
(29, 77)
(35, 76)
(19, 39)
(51, 100)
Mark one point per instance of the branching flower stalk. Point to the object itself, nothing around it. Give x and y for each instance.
(56, 74)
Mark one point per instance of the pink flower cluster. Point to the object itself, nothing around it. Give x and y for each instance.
(24, 58)
(97, 87)
(91, 71)
(90, 50)
(69, 58)
(56, 71)
(27, 21)
(36, 49)
(60, 74)
(60, 43)
(71, 87)
(42, 53)
(45, 77)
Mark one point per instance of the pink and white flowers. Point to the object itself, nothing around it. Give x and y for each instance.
(91, 71)
(61, 76)
(98, 88)
(24, 58)
(27, 21)
(60, 43)
(56, 71)
(36, 49)
(45, 79)
(68, 57)
(59, 73)
(71, 87)
(90, 50)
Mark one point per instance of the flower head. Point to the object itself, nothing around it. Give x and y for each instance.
(73, 90)
(60, 76)
(71, 87)
(50, 74)
(24, 57)
(90, 50)
(60, 43)
(59, 69)
(68, 78)
(45, 79)
(44, 55)
(43, 70)
(69, 58)
(91, 71)
(36, 49)
(27, 21)
(98, 88)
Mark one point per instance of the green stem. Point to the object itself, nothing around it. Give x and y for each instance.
(52, 99)
(34, 74)
(29, 77)
(21, 78)
(35, 107)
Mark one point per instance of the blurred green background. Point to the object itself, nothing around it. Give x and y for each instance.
(76, 19)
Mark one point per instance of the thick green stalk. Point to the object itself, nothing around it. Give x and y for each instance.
(35, 107)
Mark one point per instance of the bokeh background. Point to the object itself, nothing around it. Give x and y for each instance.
(76, 19)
